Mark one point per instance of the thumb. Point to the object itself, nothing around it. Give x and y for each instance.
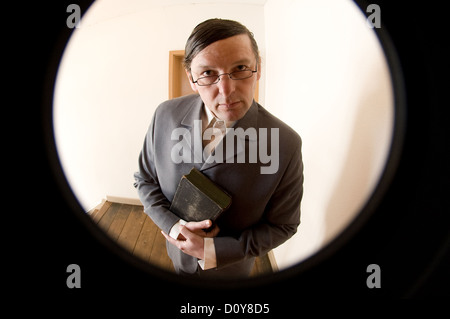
(193, 226)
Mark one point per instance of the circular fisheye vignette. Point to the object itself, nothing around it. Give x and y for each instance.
(335, 244)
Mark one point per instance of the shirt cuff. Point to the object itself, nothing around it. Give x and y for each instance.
(175, 230)
(209, 261)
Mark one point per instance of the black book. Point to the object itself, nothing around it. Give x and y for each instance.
(198, 198)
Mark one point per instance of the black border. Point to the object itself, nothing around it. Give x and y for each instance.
(404, 226)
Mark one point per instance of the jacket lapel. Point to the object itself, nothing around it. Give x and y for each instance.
(193, 137)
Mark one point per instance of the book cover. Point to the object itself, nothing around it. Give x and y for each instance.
(198, 198)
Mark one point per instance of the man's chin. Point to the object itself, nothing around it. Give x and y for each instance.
(231, 114)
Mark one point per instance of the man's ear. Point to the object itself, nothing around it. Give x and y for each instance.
(258, 74)
(193, 86)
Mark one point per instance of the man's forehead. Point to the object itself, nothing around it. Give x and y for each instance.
(204, 65)
(234, 50)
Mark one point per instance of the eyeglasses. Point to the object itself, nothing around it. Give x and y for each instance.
(236, 75)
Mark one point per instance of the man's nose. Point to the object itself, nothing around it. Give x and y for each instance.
(226, 85)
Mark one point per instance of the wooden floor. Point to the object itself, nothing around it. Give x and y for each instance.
(129, 226)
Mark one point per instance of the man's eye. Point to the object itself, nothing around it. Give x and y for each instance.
(241, 67)
(207, 73)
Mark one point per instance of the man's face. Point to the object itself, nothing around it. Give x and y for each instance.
(228, 99)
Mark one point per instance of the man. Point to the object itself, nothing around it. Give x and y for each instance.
(223, 65)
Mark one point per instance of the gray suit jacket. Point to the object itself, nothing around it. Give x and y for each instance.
(265, 208)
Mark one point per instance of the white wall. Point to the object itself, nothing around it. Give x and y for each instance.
(338, 97)
(323, 73)
(113, 75)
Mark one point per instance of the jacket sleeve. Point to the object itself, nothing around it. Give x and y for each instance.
(280, 221)
(146, 182)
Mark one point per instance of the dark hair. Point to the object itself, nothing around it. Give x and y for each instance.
(213, 30)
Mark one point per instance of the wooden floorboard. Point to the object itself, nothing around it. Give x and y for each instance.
(146, 239)
(130, 227)
(101, 211)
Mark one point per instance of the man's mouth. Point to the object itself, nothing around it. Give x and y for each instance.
(229, 105)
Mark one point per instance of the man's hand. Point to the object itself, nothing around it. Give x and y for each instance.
(190, 241)
(198, 228)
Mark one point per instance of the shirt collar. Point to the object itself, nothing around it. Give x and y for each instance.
(210, 116)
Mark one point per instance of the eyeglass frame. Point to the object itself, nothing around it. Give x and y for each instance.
(219, 75)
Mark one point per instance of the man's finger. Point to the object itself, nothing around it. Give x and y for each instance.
(174, 242)
(194, 226)
(193, 245)
(213, 232)
(186, 232)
